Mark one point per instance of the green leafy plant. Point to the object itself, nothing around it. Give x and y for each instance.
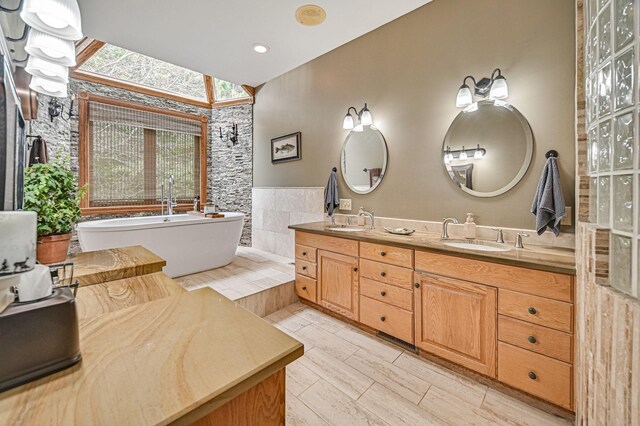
(51, 190)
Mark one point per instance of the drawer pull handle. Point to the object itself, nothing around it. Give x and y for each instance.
(355, 269)
(532, 339)
(304, 287)
(383, 253)
(304, 268)
(417, 285)
(304, 253)
(383, 274)
(383, 318)
(532, 311)
(532, 375)
(383, 293)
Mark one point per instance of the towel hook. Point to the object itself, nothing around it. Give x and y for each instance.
(552, 153)
(335, 169)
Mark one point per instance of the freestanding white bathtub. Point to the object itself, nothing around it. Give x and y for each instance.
(189, 244)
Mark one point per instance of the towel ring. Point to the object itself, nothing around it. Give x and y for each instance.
(552, 153)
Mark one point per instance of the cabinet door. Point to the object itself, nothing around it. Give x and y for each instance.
(338, 281)
(456, 320)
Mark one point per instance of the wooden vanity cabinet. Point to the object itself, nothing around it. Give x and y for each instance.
(456, 320)
(338, 281)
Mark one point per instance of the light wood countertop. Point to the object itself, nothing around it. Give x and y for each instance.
(167, 361)
(94, 267)
(545, 258)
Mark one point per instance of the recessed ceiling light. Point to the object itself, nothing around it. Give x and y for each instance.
(310, 15)
(261, 48)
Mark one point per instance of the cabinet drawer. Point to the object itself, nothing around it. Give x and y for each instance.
(306, 288)
(306, 253)
(387, 254)
(536, 374)
(387, 318)
(531, 281)
(387, 293)
(389, 274)
(323, 242)
(538, 310)
(542, 340)
(305, 268)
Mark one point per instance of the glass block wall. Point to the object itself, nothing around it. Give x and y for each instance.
(611, 70)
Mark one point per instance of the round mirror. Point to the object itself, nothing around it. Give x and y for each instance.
(488, 148)
(364, 159)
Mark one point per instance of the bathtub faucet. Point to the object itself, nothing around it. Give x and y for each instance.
(171, 203)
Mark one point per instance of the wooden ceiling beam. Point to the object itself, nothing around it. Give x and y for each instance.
(86, 48)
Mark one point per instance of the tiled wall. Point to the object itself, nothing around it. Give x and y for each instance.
(274, 209)
(611, 69)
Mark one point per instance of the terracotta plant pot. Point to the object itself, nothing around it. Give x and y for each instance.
(53, 248)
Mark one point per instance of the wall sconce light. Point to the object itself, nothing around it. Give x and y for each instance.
(364, 119)
(463, 154)
(494, 87)
(230, 136)
(56, 109)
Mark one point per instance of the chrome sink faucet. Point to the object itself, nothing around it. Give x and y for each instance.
(171, 203)
(370, 215)
(445, 226)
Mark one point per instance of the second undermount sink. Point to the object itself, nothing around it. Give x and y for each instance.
(344, 228)
(476, 245)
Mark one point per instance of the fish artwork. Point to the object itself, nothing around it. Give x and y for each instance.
(286, 148)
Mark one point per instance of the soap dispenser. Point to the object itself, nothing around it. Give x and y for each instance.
(470, 227)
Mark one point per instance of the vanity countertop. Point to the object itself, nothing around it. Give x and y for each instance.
(94, 267)
(545, 258)
(169, 360)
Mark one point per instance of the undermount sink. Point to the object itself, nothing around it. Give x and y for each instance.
(343, 228)
(476, 245)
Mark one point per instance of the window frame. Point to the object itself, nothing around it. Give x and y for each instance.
(87, 47)
(84, 99)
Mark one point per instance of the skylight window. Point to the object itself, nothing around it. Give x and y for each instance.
(127, 66)
(226, 91)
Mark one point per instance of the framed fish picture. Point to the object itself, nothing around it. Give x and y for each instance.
(286, 148)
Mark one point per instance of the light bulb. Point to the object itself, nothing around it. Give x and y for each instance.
(499, 88)
(48, 87)
(347, 123)
(478, 154)
(60, 18)
(41, 68)
(365, 116)
(463, 154)
(51, 48)
(464, 97)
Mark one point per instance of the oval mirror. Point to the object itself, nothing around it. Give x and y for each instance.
(488, 148)
(364, 159)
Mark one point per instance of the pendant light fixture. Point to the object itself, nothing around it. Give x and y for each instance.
(45, 69)
(364, 118)
(60, 18)
(494, 87)
(51, 48)
(48, 87)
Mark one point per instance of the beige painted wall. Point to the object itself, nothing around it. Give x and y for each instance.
(408, 72)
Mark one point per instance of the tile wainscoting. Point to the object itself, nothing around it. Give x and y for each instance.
(274, 209)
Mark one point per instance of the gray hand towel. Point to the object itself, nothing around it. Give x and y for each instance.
(331, 196)
(548, 204)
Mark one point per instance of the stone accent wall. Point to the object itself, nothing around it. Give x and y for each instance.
(230, 174)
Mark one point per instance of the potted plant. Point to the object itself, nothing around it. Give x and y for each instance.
(51, 190)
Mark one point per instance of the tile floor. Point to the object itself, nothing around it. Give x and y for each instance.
(348, 377)
(250, 272)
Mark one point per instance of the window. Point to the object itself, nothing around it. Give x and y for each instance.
(226, 91)
(128, 151)
(122, 64)
(114, 66)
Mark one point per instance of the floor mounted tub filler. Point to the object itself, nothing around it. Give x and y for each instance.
(189, 244)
